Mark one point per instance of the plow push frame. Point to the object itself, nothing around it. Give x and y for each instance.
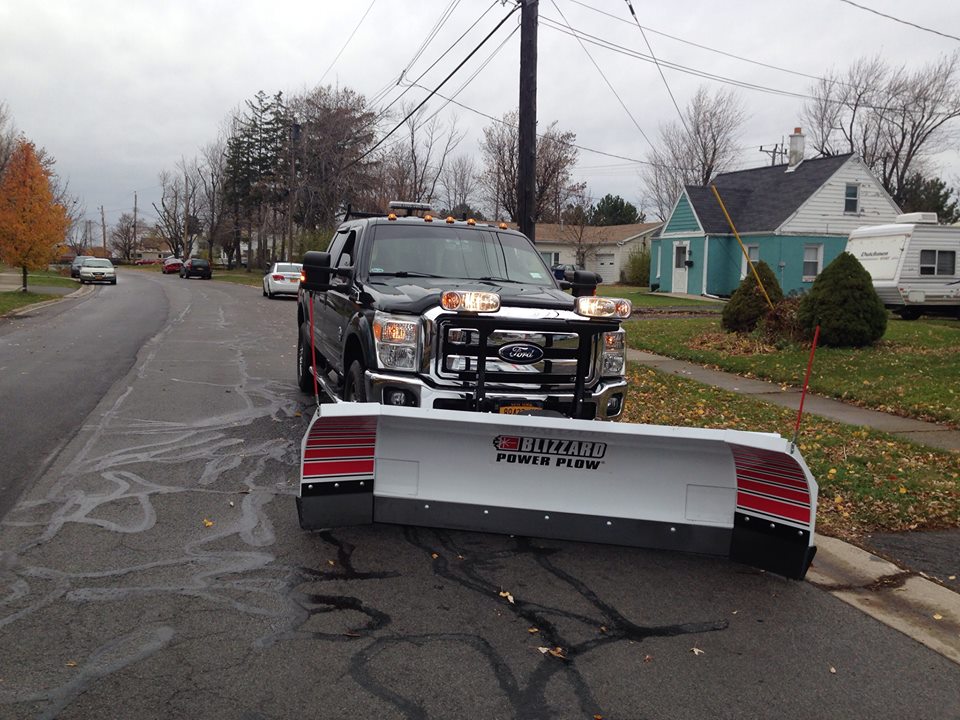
(745, 495)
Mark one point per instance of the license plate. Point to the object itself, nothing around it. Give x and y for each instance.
(517, 409)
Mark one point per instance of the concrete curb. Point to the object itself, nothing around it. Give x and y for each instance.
(79, 292)
(919, 608)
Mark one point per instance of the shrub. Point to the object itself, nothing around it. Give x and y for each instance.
(781, 326)
(844, 304)
(747, 304)
(637, 268)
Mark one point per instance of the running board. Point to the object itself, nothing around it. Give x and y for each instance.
(745, 495)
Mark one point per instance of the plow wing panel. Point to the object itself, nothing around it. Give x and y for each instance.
(739, 494)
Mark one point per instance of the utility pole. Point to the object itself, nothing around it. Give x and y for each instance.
(527, 160)
(136, 244)
(103, 224)
(776, 153)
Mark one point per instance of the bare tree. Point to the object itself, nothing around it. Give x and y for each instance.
(8, 135)
(893, 118)
(459, 182)
(211, 199)
(576, 230)
(695, 151)
(412, 168)
(175, 223)
(123, 236)
(556, 157)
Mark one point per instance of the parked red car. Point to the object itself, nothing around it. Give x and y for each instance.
(171, 265)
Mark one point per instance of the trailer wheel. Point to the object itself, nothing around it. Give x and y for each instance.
(354, 385)
(910, 313)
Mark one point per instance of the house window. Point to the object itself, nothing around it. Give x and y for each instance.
(812, 261)
(851, 199)
(658, 261)
(754, 252)
(938, 262)
(680, 256)
(551, 258)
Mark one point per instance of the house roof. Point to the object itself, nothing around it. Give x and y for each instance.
(593, 234)
(762, 198)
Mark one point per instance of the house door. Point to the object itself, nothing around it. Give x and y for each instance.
(680, 268)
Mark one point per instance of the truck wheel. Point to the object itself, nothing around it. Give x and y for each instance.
(354, 385)
(304, 359)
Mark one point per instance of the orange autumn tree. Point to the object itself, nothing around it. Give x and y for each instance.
(32, 222)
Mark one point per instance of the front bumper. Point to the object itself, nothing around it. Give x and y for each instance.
(602, 402)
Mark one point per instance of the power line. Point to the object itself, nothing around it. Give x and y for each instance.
(905, 22)
(609, 84)
(698, 45)
(372, 2)
(434, 31)
(659, 68)
(435, 90)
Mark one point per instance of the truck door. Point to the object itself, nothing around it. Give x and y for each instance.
(338, 306)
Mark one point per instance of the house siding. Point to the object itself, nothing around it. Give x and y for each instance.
(823, 213)
(683, 219)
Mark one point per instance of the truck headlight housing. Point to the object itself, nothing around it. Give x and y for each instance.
(470, 301)
(396, 340)
(603, 307)
(613, 357)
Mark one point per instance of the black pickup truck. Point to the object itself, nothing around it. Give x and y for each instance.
(431, 312)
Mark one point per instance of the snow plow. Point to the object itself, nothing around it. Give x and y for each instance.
(748, 496)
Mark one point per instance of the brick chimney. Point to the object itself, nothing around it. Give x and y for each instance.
(796, 150)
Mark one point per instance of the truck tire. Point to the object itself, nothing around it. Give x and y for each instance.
(354, 384)
(304, 359)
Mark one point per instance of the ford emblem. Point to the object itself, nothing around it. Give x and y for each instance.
(521, 353)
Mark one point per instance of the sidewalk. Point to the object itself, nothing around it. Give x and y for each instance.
(894, 594)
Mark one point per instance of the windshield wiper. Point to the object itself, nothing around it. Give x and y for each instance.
(490, 278)
(406, 273)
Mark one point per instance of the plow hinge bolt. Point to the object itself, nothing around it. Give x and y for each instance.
(673, 529)
(486, 512)
(336, 484)
(546, 517)
(772, 525)
(609, 523)
(426, 507)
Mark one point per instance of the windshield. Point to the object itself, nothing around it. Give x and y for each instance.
(287, 267)
(456, 252)
(199, 263)
(97, 263)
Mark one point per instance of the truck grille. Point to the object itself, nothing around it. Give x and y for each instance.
(469, 346)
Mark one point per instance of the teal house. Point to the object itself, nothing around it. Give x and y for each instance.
(795, 217)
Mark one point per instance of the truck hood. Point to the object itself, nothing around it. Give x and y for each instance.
(417, 295)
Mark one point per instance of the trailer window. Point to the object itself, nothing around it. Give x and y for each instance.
(938, 262)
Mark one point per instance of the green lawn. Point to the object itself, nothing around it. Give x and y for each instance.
(241, 277)
(913, 371)
(869, 481)
(10, 301)
(643, 298)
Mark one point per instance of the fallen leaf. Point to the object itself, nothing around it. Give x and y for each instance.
(460, 557)
(603, 628)
(350, 633)
(297, 414)
(434, 556)
(71, 663)
(903, 490)
(543, 650)
(533, 630)
(952, 577)
(833, 670)
(937, 616)
(648, 658)
(505, 594)
(598, 717)
(557, 652)
(734, 612)
(207, 522)
(697, 651)
(331, 562)
(231, 503)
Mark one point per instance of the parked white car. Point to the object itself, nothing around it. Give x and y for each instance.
(98, 270)
(282, 278)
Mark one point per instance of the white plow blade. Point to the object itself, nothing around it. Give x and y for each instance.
(725, 492)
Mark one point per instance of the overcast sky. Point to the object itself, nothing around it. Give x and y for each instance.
(120, 90)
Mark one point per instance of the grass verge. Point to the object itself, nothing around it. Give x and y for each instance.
(913, 371)
(240, 277)
(869, 481)
(642, 298)
(10, 301)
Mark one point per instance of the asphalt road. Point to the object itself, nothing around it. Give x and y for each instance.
(155, 569)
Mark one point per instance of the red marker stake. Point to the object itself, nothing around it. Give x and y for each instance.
(806, 382)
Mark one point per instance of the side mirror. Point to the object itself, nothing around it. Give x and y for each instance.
(583, 282)
(316, 271)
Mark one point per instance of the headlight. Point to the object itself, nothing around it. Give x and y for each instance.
(464, 301)
(396, 341)
(603, 307)
(613, 358)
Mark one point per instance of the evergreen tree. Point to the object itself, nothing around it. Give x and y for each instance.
(748, 305)
(844, 304)
(614, 210)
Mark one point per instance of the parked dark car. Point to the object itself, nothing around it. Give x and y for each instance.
(75, 266)
(196, 267)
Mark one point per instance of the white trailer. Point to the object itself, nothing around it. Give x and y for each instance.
(913, 263)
